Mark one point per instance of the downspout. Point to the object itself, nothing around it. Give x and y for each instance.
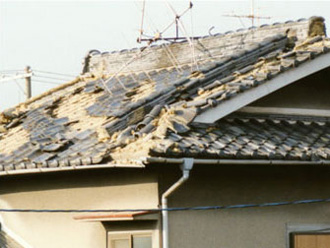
(13, 235)
(186, 166)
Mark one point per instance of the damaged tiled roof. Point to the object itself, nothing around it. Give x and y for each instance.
(93, 119)
(208, 48)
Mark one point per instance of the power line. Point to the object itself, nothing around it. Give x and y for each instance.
(13, 77)
(11, 71)
(49, 77)
(20, 87)
(228, 207)
(54, 73)
(46, 82)
(40, 71)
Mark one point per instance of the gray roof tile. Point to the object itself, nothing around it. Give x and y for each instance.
(91, 120)
(255, 139)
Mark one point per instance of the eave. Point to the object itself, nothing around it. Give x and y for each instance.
(231, 105)
(161, 160)
(133, 165)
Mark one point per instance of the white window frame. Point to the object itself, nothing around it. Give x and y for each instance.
(113, 235)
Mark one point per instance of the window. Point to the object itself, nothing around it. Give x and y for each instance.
(308, 235)
(311, 240)
(132, 234)
(130, 240)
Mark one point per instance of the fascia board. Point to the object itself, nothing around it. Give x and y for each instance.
(243, 99)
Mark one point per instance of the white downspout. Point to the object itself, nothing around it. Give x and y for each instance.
(13, 235)
(185, 167)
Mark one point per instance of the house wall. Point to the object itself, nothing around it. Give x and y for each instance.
(110, 189)
(136, 188)
(312, 92)
(251, 227)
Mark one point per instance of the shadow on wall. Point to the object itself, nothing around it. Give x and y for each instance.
(3, 238)
(75, 179)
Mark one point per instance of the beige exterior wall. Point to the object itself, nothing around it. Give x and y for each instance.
(112, 188)
(138, 188)
(246, 228)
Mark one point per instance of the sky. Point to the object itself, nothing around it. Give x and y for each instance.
(54, 36)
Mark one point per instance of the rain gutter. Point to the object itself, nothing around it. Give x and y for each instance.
(69, 168)
(157, 160)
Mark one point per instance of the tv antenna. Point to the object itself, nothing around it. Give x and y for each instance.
(251, 16)
(159, 35)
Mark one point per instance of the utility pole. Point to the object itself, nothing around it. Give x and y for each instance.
(28, 90)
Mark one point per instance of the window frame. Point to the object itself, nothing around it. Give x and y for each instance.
(113, 235)
(296, 229)
(292, 236)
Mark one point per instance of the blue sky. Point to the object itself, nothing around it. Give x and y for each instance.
(54, 36)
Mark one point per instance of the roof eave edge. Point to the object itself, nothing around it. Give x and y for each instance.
(163, 160)
(214, 114)
(73, 168)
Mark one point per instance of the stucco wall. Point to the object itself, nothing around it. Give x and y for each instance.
(246, 228)
(208, 185)
(312, 92)
(112, 188)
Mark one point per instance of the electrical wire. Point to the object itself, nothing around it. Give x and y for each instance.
(106, 87)
(11, 71)
(49, 77)
(173, 22)
(7, 78)
(202, 208)
(183, 29)
(54, 73)
(172, 58)
(133, 59)
(20, 87)
(46, 82)
(163, 46)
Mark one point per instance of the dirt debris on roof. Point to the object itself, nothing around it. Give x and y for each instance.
(96, 120)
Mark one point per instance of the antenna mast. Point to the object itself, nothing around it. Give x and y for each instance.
(252, 16)
(159, 35)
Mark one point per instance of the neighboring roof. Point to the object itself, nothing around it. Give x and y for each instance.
(115, 216)
(95, 120)
(246, 137)
(8, 242)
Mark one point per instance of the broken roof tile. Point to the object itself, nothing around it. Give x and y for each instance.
(158, 104)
